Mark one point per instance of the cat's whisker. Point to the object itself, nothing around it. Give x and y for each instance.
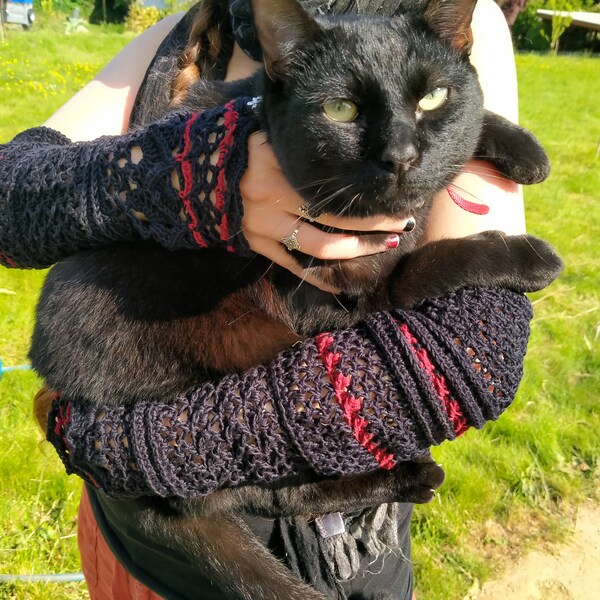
(377, 279)
(483, 166)
(533, 248)
(248, 263)
(340, 303)
(304, 275)
(490, 172)
(266, 271)
(355, 199)
(320, 182)
(487, 172)
(348, 207)
(321, 205)
(465, 191)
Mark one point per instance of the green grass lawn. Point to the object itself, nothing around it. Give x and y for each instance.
(42, 68)
(508, 487)
(39, 71)
(515, 482)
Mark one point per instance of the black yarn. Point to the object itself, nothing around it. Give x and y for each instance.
(283, 431)
(57, 197)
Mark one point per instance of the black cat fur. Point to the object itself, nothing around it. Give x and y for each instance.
(136, 321)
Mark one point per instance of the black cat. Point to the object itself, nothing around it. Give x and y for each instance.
(393, 108)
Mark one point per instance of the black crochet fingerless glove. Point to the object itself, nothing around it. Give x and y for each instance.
(342, 403)
(175, 181)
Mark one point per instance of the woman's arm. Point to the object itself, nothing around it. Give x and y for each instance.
(159, 182)
(419, 414)
(102, 107)
(422, 377)
(47, 213)
(59, 197)
(408, 352)
(480, 183)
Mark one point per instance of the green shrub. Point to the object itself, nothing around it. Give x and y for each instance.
(63, 7)
(531, 33)
(141, 17)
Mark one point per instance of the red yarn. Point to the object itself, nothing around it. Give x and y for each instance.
(188, 181)
(459, 423)
(7, 261)
(350, 404)
(63, 418)
(230, 122)
(472, 207)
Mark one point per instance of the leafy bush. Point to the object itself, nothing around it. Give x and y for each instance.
(63, 7)
(141, 17)
(531, 33)
(528, 30)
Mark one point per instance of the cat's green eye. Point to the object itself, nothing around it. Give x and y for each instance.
(434, 99)
(341, 110)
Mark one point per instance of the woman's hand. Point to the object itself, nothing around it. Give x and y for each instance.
(272, 212)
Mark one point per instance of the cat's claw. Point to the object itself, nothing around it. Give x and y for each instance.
(417, 481)
(417, 495)
(539, 263)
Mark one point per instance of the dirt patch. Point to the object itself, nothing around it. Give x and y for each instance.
(569, 571)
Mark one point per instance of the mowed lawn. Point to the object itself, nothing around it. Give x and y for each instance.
(508, 486)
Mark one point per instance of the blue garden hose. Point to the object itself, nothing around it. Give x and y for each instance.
(46, 578)
(4, 369)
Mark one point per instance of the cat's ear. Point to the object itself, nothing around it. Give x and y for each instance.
(282, 26)
(451, 20)
(516, 152)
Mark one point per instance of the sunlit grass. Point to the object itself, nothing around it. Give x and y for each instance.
(39, 71)
(519, 476)
(42, 68)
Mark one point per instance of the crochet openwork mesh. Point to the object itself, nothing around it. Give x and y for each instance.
(342, 403)
(175, 181)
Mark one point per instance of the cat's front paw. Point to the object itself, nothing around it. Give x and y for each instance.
(538, 263)
(416, 482)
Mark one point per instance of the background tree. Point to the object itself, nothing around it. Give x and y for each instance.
(110, 11)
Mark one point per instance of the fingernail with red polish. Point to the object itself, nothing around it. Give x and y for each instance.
(410, 225)
(392, 241)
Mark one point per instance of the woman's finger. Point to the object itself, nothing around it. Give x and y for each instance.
(322, 245)
(301, 235)
(279, 255)
(375, 223)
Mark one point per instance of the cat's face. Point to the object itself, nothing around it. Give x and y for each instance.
(373, 116)
(369, 116)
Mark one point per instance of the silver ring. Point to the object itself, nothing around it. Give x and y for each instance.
(308, 213)
(291, 241)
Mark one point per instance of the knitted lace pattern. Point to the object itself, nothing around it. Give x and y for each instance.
(175, 181)
(341, 403)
